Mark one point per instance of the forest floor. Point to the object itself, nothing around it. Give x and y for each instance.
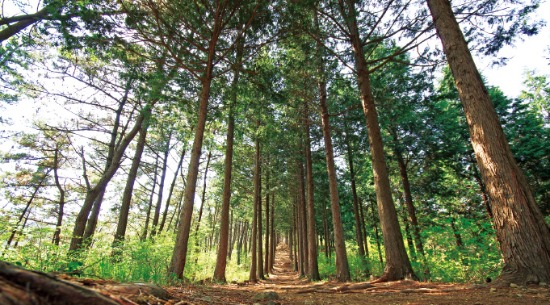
(285, 286)
(291, 289)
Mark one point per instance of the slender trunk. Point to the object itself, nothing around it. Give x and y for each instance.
(326, 232)
(398, 265)
(150, 203)
(302, 219)
(364, 229)
(267, 223)
(257, 193)
(357, 217)
(521, 230)
(234, 235)
(25, 220)
(313, 266)
(93, 218)
(408, 235)
(128, 191)
(94, 192)
(342, 267)
(156, 215)
(203, 196)
(171, 191)
(26, 209)
(179, 255)
(377, 235)
(258, 202)
(456, 233)
(60, 212)
(273, 244)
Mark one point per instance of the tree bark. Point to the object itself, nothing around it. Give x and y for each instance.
(313, 266)
(40, 288)
(253, 277)
(60, 212)
(523, 234)
(179, 255)
(156, 215)
(302, 221)
(398, 265)
(171, 191)
(267, 222)
(258, 203)
(26, 209)
(150, 203)
(93, 193)
(128, 191)
(221, 260)
(342, 266)
(356, 215)
(93, 218)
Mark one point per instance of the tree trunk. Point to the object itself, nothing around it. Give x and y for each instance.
(26, 209)
(364, 229)
(342, 267)
(267, 222)
(302, 221)
(32, 287)
(114, 145)
(258, 203)
(156, 215)
(150, 203)
(376, 234)
(203, 196)
(257, 193)
(273, 244)
(313, 266)
(520, 227)
(179, 256)
(356, 215)
(60, 212)
(171, 191)
(128, 191)
(398, 265)
(99, 188)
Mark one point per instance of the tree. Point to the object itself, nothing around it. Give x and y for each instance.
(398, 265)
(520, 227)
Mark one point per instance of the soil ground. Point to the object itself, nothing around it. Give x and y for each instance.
(292, 289)
(289, 289)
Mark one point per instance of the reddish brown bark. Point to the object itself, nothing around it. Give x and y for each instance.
(520, 227)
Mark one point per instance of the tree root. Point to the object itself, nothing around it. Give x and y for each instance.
(22, 287)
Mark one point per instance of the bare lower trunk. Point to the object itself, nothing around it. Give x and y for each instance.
(128, 191)
(156, 215)
(171, 191)
(520, 227)
(253, 277)
(356, 215)
(150, 203)
(179, 255)
(398, 265)
(99, 188)
(313, 266)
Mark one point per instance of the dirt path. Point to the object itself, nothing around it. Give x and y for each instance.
(291, 289)
(284, 286)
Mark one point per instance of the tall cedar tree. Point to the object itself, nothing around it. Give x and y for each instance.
(520, 227)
